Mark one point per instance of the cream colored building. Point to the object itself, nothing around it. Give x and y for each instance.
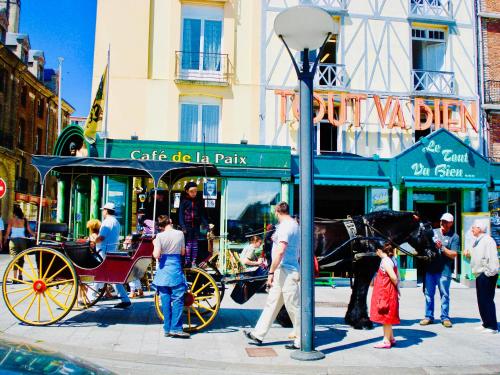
(148, 83)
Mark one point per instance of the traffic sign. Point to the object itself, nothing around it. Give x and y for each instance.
(3, 188)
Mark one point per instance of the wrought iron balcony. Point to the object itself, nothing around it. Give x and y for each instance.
(210, 68)
(433, 82)
(492, 92)
(330, 5)
(330, 76)
(431, 9)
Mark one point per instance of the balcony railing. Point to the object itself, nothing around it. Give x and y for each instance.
(433, 82)
(492, 92)
(434, 9)
(330, 76)
(339, 5)
(202, 67)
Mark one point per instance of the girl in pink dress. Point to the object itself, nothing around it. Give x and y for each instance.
(384, 307)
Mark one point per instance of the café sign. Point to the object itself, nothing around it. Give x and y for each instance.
(441, 155)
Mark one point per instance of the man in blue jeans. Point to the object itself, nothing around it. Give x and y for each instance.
(439, 271)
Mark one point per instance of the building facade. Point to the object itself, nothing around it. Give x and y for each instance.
(396, 80)
(28, 119)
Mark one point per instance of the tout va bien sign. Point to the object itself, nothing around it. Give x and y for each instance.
(390, 110)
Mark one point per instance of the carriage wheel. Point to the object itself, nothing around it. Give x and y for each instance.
(201, 301)
(88, 295)
(47, 291)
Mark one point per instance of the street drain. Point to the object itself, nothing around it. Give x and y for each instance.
(340, 305)
(261, 352)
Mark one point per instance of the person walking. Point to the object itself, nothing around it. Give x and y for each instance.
(283, 278)
(169, 279)
(191, 215)
(2, 228)
(384, 307)
(107, 241)
(484, 265)
(438, 272)
(18, 231)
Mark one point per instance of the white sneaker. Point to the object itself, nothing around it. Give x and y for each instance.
(489, 330)
(479, 328)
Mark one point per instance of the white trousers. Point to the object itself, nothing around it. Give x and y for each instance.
(285, 290)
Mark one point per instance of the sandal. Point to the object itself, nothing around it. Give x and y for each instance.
(393, 342)
(383, 345)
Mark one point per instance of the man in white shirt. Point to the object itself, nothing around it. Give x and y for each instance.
(108, 240)
(283, 278)
(484, 265)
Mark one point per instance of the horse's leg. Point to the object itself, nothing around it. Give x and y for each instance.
(357, 311)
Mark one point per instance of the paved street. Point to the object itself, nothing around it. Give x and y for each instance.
(131, 341)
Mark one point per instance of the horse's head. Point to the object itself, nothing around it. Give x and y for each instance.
(421, 239)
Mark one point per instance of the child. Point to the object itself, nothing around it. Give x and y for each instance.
(251, 256)
(93, 225)
(384, 307)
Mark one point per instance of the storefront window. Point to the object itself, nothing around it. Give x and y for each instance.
(117, 193)
(250, 207)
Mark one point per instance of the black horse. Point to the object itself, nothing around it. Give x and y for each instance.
(349, 245)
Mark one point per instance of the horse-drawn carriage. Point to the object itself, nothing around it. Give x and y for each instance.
(61, 276)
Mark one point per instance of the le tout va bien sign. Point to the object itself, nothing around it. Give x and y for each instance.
(390, 113)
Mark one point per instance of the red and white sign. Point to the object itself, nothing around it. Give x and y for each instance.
(3, 188)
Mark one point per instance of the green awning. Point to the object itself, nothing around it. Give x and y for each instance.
(255, 172)
(337, 180)
(445, 183)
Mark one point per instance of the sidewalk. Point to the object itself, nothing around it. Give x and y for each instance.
(131, 341)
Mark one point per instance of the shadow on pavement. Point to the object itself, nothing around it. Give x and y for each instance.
(411, 337)
(411, 322)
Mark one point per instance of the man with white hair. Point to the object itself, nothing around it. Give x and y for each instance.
(484, 265)
(438, 272)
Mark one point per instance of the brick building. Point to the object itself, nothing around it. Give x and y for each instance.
(489, 48)
(28, 117)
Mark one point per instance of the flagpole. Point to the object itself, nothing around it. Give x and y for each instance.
(106, 119)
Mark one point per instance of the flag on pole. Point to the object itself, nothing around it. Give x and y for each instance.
(94, 120)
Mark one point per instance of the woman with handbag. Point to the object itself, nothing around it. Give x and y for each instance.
(18, 231)
(384, 307)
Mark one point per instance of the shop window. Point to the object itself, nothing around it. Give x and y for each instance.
(201, 38)
(200, 122)
(250, 208)
(116, 192)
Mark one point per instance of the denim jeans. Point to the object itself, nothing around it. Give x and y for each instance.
(443, 283)
(172, 304)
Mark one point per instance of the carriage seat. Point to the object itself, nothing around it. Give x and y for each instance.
(81, 255)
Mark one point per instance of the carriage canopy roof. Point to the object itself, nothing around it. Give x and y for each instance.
(156, 169)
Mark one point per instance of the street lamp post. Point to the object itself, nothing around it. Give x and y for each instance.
(305, 28)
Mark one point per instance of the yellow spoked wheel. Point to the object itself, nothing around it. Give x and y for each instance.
(201, 301)
(47, 289)
(88, 294)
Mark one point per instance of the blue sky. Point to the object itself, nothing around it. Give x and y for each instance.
(64, 28)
